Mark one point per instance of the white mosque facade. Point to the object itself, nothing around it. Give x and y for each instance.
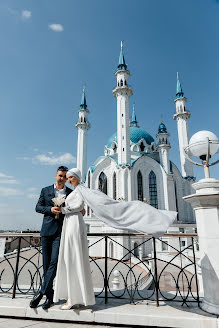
(135, 165)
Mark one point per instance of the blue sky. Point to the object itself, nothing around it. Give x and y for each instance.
(51, 48)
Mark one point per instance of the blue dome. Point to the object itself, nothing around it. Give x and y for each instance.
(136, 134)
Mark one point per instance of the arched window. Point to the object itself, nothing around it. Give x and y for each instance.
(136, 250)
(140, 186)
(111, 249)
(103, 182)
(84, 120)
(118, 83)
(153, 189)
(88, 180)
(88, 184)
(125, 82)
(121, 83)
(114, 185)
(142, 146)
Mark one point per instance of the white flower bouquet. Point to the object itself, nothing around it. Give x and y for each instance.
(58, 201)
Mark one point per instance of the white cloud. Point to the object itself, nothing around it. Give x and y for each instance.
(24, 158)
(5, 192)
(32, 189)
(56, 27)
(66, 158)
(2, 175)
(8, 181)
(26, 14)
(33, 196)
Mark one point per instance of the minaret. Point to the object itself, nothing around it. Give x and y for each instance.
(182, 117)
(122, 92)
(134, 121)
(163, 146)
(83, 126)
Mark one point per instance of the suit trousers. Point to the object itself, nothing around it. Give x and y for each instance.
(50, 250)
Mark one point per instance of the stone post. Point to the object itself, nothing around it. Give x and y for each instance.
(205, 203)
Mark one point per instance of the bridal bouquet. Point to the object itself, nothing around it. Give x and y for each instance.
(57, 201)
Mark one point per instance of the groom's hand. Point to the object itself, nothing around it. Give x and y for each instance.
(56, 210)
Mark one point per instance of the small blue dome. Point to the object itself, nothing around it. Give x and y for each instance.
(136, 134)
(162, 128)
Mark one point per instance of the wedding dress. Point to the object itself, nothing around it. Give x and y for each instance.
(73, 280)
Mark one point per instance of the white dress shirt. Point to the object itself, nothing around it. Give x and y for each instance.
(60, 193)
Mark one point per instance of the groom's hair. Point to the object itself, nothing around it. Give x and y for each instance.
(62, 168)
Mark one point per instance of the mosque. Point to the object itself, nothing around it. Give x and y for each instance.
(136, 165)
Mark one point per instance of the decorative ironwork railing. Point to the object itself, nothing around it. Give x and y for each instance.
(123, 265)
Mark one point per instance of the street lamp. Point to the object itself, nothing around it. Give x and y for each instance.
(203, 144)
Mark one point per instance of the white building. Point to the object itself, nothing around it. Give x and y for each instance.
(136, 165)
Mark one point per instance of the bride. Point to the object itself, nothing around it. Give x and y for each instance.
(73, 278)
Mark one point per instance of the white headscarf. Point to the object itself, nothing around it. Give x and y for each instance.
(75, 173)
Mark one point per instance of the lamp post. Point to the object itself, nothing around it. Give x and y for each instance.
(205, 202)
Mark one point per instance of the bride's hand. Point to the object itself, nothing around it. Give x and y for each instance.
(83, 211)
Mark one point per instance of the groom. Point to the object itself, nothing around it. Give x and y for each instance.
(50, 234)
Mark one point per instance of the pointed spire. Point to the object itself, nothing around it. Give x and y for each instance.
(179, 92)
(134, 121)
(122, 64)
(83, 104)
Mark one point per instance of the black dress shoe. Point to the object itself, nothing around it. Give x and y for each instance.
(36, 299)
(47, 304)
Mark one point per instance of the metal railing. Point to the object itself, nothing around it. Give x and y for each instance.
(141, 277)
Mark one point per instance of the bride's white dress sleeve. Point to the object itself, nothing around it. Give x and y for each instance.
(74, 203)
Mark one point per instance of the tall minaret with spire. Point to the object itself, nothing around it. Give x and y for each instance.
(182, 117)
(163, 146)
(122, 92)
(83, 126)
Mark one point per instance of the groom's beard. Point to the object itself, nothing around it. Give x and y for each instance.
(60, 184)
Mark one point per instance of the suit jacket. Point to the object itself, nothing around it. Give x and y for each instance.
(50, 225)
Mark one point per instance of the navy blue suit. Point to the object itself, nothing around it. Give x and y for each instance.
(51, 235)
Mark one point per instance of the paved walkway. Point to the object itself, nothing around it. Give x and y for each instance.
(116, 312)
(19, 323)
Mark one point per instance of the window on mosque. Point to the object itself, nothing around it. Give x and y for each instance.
(115, 148)
(136, 250)
(153, 189)
(88, 180)
(142, 146)
(114, 185)
(125, 82)
(121, 83)
(103, 183)
(84, 120)
(164, 246)
(140, 186)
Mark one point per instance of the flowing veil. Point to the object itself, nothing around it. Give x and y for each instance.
(127, 215)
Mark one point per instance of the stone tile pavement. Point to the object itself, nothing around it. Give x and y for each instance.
(116, 312)
(21, 323)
